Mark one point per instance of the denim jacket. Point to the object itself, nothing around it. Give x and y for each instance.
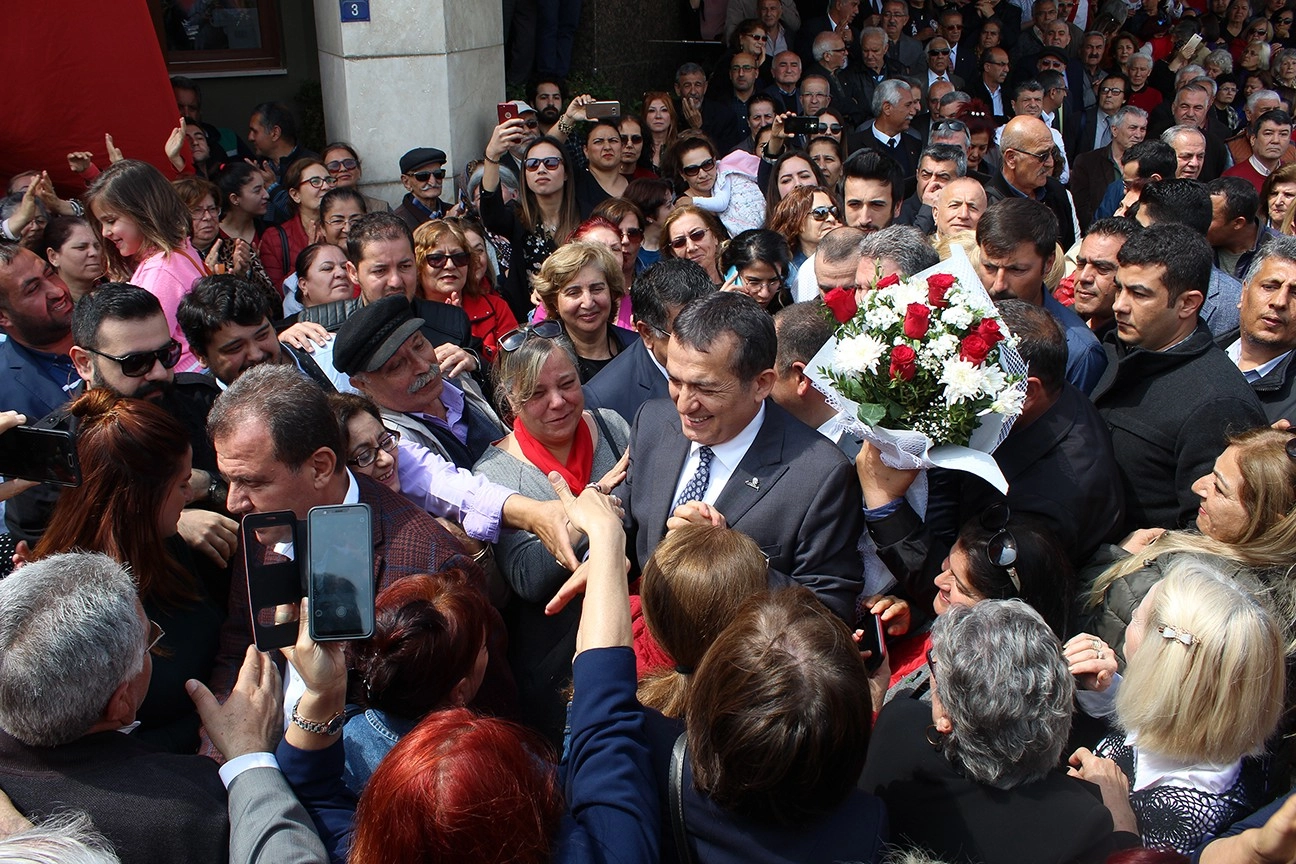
(367, 737)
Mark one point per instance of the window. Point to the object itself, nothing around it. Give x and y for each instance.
(218, 35)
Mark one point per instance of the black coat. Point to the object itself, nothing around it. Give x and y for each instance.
(1169, 413)
(1055, 198)
(1274, 390)
(631, 379)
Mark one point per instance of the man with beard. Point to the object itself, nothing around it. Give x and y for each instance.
(1095, 274)
(547, 96)
(121, 342)
(1262, 346)
(36, 313)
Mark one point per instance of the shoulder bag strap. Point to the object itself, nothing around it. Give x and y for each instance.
(605, 434)
(683, 851)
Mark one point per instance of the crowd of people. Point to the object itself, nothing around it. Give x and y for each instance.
(619, 534)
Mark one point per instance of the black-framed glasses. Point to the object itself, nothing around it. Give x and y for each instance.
(342, 165)
(1001, 551)
(693, 170)
(934, 52)
(366, 456)
(531, 123)
(1043, 156)
(1107, 91)
(821, 213)
(631, 139)
(550, 163)
(515, 339)
(425, 176)
(320, 182)
(155, 634)
(632, 234)
(437, 260)
(138, 363)
(742, 67)
(197, 213)
(697, 235)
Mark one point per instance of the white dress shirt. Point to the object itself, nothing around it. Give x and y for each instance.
(727, 457)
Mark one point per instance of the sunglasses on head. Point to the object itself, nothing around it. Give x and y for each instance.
(342, 165)
(425, 176)
(437, 260)
(631, 139)
(515, 339)
(696, 235)
(1001, 551)
(550, 163)
(137, 364)
(692, 170)
(821, 213)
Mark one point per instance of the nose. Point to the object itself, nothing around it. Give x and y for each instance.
(237, 501)
(157, 372)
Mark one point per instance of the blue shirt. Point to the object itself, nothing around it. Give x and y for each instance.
(1086, 360)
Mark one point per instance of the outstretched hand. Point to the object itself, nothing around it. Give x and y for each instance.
(251, 720)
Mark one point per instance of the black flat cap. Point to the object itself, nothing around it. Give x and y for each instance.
(421, 156)
(373, 333)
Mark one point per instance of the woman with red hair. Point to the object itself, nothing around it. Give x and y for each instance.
(479, 790)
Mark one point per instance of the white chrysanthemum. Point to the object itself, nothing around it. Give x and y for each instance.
(992, 379)
(1010, 402)
(962, 381)
(857, 354)
(909, 292)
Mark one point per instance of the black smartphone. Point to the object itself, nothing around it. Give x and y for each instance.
(46, 455)
(873, 640)
(275, 586)
(339, 573)
(602, 110)
(801, 125)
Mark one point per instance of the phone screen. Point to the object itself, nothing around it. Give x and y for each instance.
(46, 455)
(340, 572)
(275, 584)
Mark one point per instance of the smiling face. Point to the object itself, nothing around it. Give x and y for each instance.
(363, 433)
(555, 409)
(713, 404)
(812, 229)
(760, 281)
(701, 182)
(235, 348)
(786, 69)
(342, 214)
(585, 303)
(341, 158)
(444, 270)
(252, 197)
(410, 381)
(326, 278)
(1222, 515)
(119, 229)
(953, 584)
(37, 306)
(428, 190)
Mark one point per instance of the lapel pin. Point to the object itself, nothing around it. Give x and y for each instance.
(754, 483)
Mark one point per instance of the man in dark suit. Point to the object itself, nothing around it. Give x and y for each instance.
(638, 373)
(861, 79)
(1094, 172)
(989, 85)
(695, 111)
(904, 50)
(1095, 130)
(1027, 147)
(36, 314)
(963, 59)
(894, 108)
(722, 453)
(837, 20)
(1262, 346)
(77, 644)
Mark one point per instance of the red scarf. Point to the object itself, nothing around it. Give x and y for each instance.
(580, 461)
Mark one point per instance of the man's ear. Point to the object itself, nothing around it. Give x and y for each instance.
(764, 384)
(120, 710)
(358, 382)
(82, 359)
(1189, 303)
(803, 384)
(352, 273)
(323, 464)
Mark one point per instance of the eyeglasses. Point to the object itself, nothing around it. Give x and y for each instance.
(692, 170)
(339, 220)
(932, 52)
(531, 123)
(319, 182)
(1045, 156)
(631, 139)
(515, 339)
(1001, 551)
(1107, 91)
(834, 51)
(204, 212)
(1183, 637)
(425, 176)
(834, 128)
(819, 214)
(365, 456)
(550, 163)
(696, 235)
(743, 67)
(155, 634)
(759, 37)
(632, 233)
(437, 260)
(342, 165)
(138, 364)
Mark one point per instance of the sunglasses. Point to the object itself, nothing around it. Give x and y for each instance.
(138, 364)
(531, 123)
(425, 176)
(515, 339)
(692, 170)
(366, 456)
(834, 128)
(821, 213)
(696, 235)
(631, 139)
(437, 260)
(632, 233)
(932, 52)
(1001, 551)
(759, 37)
(319, 182)
(550, 163)
(342, 165)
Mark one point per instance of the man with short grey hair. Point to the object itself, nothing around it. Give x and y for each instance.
(894, 108)
(1095, 170)
(939, 165)
(1189, 144)
(1262, 346)
(898, 249)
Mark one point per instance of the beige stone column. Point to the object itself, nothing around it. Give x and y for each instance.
(420, 73)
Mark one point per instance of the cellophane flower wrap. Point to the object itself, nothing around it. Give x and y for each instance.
(926, 371)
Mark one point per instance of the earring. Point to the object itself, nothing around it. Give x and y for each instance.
(940, 739)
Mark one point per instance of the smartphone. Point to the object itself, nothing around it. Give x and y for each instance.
(339, 573)
(507, 111)
(45, 455)
(274, 578)
(1190, 47)
(601, 110)
(873, 640)
(732, 273)
(801, 125)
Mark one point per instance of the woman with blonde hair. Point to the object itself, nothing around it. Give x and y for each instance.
(449, 273)
(1247, 520)
(693, 233)
(147, 228)
(581, 287)
(1203, 689)
(690, 590)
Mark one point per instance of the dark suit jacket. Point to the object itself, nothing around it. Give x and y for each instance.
(153, 807)
(794, 493)
(906, 153)
(977, 90)
(625, 384)
(1091, 174)
(1273, 390)
(1055, 198)
(24, 387)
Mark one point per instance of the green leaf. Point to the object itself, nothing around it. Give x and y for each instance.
(870, 413)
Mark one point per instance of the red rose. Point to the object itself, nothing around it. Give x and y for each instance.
(937, 285)
(903, 363)
(990, 332)
(842, 303)
(888, 281)
(973, 348)
(917, 321)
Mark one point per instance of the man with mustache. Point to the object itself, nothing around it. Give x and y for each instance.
(382, 349)
(1262, 347)
(548, 97)
(36, 313)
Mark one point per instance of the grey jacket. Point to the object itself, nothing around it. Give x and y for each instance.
(267, 823)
